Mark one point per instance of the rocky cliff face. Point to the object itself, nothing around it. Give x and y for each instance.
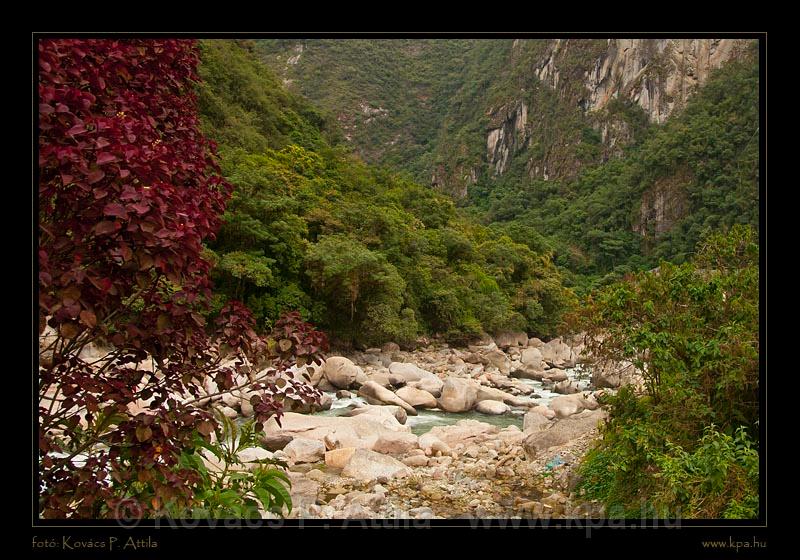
(656, 74)
(459, 112)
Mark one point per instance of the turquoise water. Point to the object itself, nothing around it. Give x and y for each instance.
(427, 419)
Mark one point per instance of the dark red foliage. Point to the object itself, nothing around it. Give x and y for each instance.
(128, 191)
(128, 186)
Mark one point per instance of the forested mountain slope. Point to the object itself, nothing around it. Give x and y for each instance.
(612, 153)
(368, 255)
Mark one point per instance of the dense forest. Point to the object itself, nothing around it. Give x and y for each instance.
(370, 256)
(591, 213)
(438, 268)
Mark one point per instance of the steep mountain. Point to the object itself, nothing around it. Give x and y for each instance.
(454, 111)
(368, 255)
(544, 136)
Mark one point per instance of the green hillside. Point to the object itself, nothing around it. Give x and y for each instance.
(367, 254)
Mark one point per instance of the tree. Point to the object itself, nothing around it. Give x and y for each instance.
(128, 191)
(359, 286)
(693, 332)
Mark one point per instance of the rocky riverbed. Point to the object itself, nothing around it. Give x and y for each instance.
(492, 430)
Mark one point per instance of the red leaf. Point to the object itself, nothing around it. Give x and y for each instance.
(77, 129)
(205, 427)
(124, 173)
(96, 176)
(88, 318)
(143, 433)
(45, 109)
(68, 330)
(140, 207)
(105, 227)
(115, 209)
(106, 157)
(66, 179)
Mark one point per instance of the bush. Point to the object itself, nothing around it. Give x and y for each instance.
(692, 330)
(128, 191)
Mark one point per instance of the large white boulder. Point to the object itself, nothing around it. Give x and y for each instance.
(396, 443)
(376, 394)
(463, 431)
(492, 407)
(562, 431)
(368, 465)
(458, 395)
(341, 372)
(305, 450)
(417, 397)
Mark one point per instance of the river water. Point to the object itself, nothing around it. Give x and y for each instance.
(427, 419)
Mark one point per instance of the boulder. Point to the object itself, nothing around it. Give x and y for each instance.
(614, 375)
(275, 442)
(325, 386)
(566, 387)
(340, 372)
(381, 377)
(535, 343)
(231, 400)
(376, 394)
(561, 432)
(337, 458)
(361, 378)
(410, 372)
(336, 431)
(396, 443)
(305, 450)
(417, 397)
(589, 401)
(344, 394)
(504, 340)
(544, 411)
(491, 394)
(228, 412)
(475, 358)
(463, 431)
(366, 465)
(532, 357)
(252, 454)
(380, 411)
(555, 375)
(246, 409)
(432, 385)
(498, 359)
(492, 407)
(528, 371)
(305, 407)
(535, 421)
(458, 395)
(431, 444)
(415, 461)
(567, 405)
(502, 382)
(390, 347)
(396, 380)
(556, 352)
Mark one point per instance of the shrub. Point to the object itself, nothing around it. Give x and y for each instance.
(128, 191)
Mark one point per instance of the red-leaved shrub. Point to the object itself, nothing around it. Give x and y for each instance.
(128, 191)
